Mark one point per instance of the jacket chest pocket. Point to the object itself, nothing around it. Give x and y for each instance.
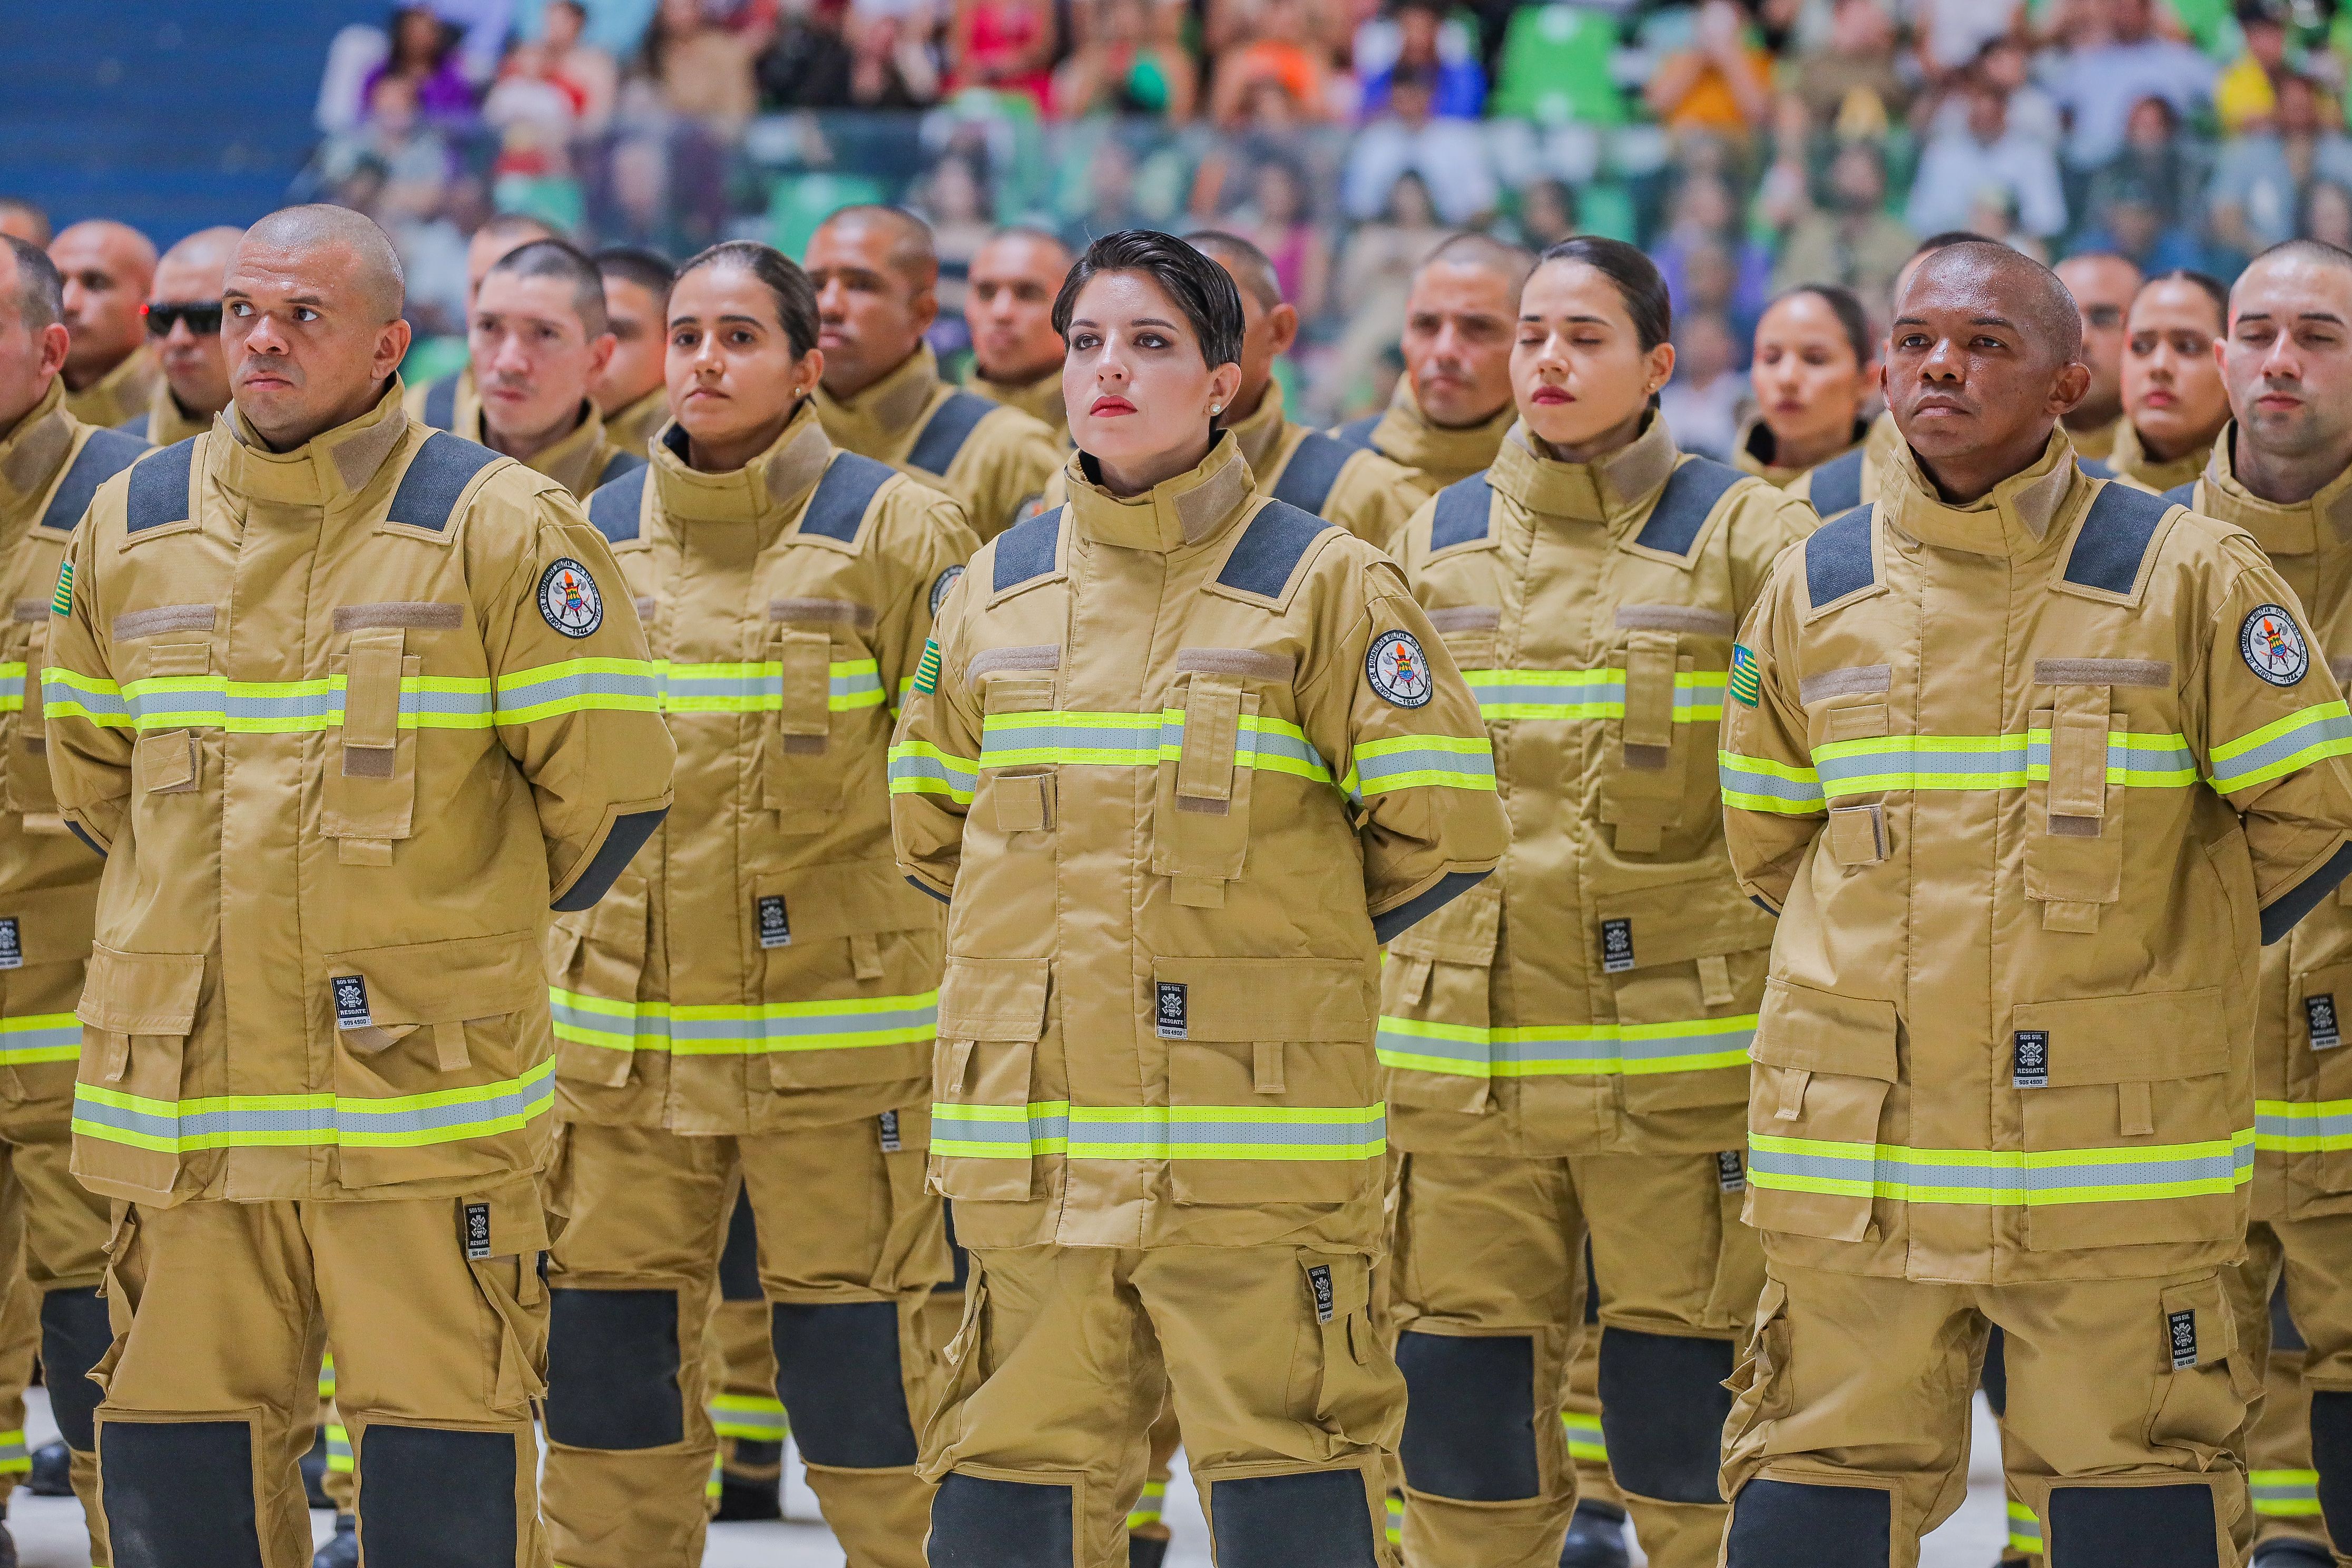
(2075, 838)
(24, 743)
(801, 767)
(137, 1012)
(369, 796)
(1199, 836)
(2309, 1128)
(1817, 1094)
(1669, 706)
(2135, 1131)
(1436, 1047)
(1016, 795)
(988, 1126)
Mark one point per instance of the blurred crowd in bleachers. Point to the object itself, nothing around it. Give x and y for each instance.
(1746, 143)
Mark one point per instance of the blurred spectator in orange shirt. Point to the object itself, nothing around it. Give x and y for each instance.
(1722, 83)
(1277, 46)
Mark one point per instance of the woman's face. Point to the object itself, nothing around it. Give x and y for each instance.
(2173, 390)
(1578, 369)
(1133, 377)
(1809, 386)
(730, 367)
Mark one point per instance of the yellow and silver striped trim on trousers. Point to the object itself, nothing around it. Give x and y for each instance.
(1148, 1506)
(753, 1417)
(1585, 1442)
(2284, 1494)
(15, 1459)
(2024, 1530)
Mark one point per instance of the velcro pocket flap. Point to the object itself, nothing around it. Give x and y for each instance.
(1271, 998)
(1821, 1031)
(1686, 919)
(54, 925)
(142, 993)
(447, 982)
(1462, 931)
(2152, 1038)
(858, 899)
(995, 998)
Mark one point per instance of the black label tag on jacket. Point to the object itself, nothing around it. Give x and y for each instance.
(478, 1231)
(2182, 1328)
(1728, 1173)
(1169, 1011)
(2318, 1012)
(1616, 946)
(1319, 1280)
(350, 1002)
(2029, 1059)
(12, 943)
(775, 931)
(889, 1120)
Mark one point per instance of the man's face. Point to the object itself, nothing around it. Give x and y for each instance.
(1266, 336)
(1966, 373)
(635, 313)
(1458, 327)
(305, 345)
(870, 314)
(485, 250)
(2287, 359)
(189, 350)
(533, 360)
(29, 359)
(2103, 287)
(1010, 307)
(107, 273)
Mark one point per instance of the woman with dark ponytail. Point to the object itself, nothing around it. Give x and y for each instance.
(1816, 370)
(1567, 1057)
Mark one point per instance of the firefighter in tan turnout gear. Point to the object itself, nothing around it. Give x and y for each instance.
(449, 400)
(2030, 764)
(1180, 756)
(50, 465)
(1016, 355)
(754, 1001)
(183, 323)
(538, 340)
(346, 704)
(630, 392)
(110, 370)
(1566, 1045)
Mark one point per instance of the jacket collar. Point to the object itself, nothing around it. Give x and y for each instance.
(877, 417)
(328, 467)
(168, 424)
(2290, 528)
(120, 393)
(1190, 509)
(1611, 491)
(2133, 461)
(565, 461)
(1260, 436)
(633, 428)
(771, 486)
(32, 453)
(2011, 521)
(1405, 434)
(1041, 398)
(2096, 442)
(1757, 452)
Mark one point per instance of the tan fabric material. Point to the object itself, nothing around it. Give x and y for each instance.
(1879, 447)
(1860, 1381)
(840, 1221)
(1436, 456)
(1001, 469)
(2298, 1254)
(1579, 1409)
(633, 428)
(1229, 1334)
(1373, 495)
(221, 1310)
(579, 462)
(743, 1365)
(2141, 469)
(1755, 452)
(2099, 442)
(167, 422)
(119, 394)
(1040, 399)
(60, 1231)
(465, 411)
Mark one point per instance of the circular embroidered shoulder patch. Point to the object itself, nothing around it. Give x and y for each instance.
(1395, 665)
(568, 598)
(2273, 645)
(946, 579)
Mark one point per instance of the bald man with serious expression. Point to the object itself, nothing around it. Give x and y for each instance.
(1016, 354)
(183, 323)
(108, 268)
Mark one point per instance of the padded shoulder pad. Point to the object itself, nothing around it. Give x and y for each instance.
(1462, 508)
(159, 487)
(843, 495)
(620, 463)
(1270, 549)
(1025, 551)
(441, 402)
(615, 506)
(136, 424)
(1685, 505)
(437, 477)
(935, 449)
(1314, 467)
(2182, 495)
(1357, 434)
(2097, 468)
(1837, 556)
(104, 454)
(1837, 484)
(2114, 538)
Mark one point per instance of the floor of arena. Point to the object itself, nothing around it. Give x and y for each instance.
(49, 1534)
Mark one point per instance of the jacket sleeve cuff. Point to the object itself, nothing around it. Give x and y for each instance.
(1390, 925)
(922, 887)
(2279, 915)
(626, 828)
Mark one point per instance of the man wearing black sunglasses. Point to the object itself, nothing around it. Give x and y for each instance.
(183, 318)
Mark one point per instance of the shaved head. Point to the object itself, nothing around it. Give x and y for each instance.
(1512, 263)
(2287, 363)
(338, 238)
(876, 275)
(1251, 267)
(2027, 291)
(908, 246)
(190, 274)
(107, 268)
(22, 220)
(207, 250)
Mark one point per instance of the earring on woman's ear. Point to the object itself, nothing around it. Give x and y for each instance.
(1215, 409)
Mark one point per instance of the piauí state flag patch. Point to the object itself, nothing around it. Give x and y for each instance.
(1745, 685)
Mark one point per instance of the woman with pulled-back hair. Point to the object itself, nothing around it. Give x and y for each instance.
(2175, 403)
(1815, 371)
(1565, 1047)
(752, 1004)
(1179, 758)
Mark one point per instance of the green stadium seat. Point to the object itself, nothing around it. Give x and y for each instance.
(1555, 67)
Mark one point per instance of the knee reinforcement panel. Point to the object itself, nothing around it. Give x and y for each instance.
(436, 1499)
(612, 1369)
(1785, 1524)
(2132, 1526)
(837, 1372)
(75, 1335)
(179, 1495)
(2331, 1455)
(1315, 1520)
(1662, 1407)
(982, 1523)
(1470, 1423)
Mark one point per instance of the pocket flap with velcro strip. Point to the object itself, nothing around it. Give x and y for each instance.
(2153, 1039)
(1684, 920)
(857, 899)
(995, 998)
(447, 982)
(54, 925)
(1821, 1031)
(142, 993)
(1463, 931)
(1279, 999)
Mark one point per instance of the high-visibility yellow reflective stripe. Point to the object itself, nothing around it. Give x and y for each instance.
(2284, 1494)
(1587, 694)
(1585, 1440)
(577, 686)
(1544, 1050)
(746, 1030)
(2302, 1127)
(15, 1457)
(2001, 1177)
(2024, 1530)
(758, 687)
(750, 1416)
(295, 707)
(2282, 745)
(443, 1116)
(39, 1037)
(1758, 783)
(1396, 1520)
(12, 686)
(918, 767)
(1073, 738)
(1159, 1131)
(339, 1450)
(1880, 762)
(1420, 761)
(1148, 1508)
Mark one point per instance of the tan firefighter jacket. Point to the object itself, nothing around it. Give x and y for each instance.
(1434, 456)
(763, 964)
(1756, 452)
(2030, 781)
(1598, 992)
(2133, 464)
(2302, 1081)
(121, 393)
(1847, 480)
(447, 402)
(50, 465)
(1040, 399)
(582, 462)
(633, 427)
(990, 457)
(163, 423)
(345, 722)
(1180, 762)
(2095, 445)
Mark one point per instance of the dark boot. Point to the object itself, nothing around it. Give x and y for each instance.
(52, 1472)
(342, 1548)
(757, 1496)
(1596, 1538)
(1146, 1550)
(2291, 1554)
